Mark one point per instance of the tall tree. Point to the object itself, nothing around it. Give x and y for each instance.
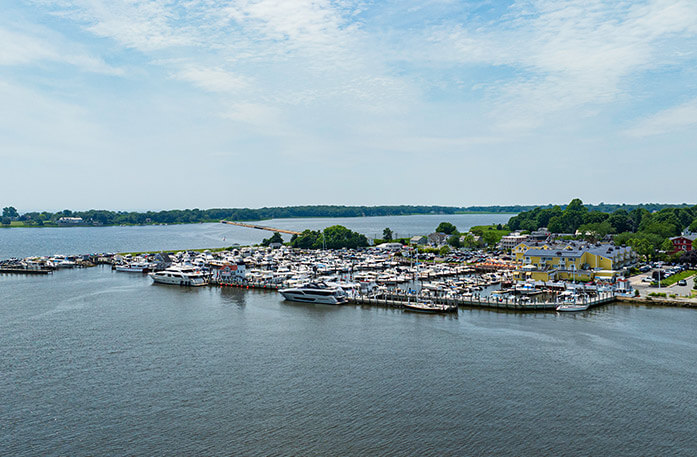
(387, 234)
(10, 211)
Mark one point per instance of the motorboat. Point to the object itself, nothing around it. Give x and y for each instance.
(572, 307)
(429, 307)
(135, 267)
(179, 276)
(316, 292)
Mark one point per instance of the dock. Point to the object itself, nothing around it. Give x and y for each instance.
(398, 301)
(24, 271)
(261, 227)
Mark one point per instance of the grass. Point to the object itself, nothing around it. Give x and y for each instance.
(675, 278)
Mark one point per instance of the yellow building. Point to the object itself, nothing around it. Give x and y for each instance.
(574, 261)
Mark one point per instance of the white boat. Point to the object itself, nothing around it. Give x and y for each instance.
(572, 307)
(60, 261)
(315, 293)
(136, 267)
(179, 276)
(430, 308)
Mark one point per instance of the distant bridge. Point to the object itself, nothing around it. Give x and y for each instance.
(261, 227)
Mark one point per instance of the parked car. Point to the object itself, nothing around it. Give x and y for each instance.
(682, 282)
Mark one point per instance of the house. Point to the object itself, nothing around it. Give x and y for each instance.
(437, 239)
(419, 240)
(70, 220)
(390, 246)
(540, 234)
(682, 243)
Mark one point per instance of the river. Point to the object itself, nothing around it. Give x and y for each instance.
(25, 242)
(96, 362)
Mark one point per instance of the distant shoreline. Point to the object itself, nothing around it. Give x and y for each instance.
(20, 224)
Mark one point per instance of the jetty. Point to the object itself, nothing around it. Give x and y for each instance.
(260, 227)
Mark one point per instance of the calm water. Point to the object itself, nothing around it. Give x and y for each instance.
(102, 363)
(24, 242)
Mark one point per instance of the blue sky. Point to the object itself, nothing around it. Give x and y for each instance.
(127, 104)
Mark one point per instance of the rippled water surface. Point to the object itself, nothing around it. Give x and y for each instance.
(25, 242)
(102, 363)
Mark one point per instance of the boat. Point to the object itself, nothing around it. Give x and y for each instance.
(316, 292)
(136, 267)
(61, 261)
(572, 307)
(429, 307)
(179, 276)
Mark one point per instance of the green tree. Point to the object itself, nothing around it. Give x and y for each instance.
(454, 241)
(10, 211)
(387, 234)
(275, 238)
(445, 250)
(6, 220)
(446, 227)
(667, 245)
(490, 238)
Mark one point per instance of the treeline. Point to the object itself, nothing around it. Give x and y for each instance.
(105, 217)
(648, 232)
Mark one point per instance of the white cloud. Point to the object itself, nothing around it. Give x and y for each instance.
(564, 54)
(669, 120)
(25, 48)
(212, 79)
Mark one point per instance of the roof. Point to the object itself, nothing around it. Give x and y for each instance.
(552, 253)
(688, 237)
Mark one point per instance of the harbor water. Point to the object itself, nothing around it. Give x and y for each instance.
(96, 362)
(24, 242)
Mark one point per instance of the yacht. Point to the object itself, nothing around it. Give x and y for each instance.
(317, 292)
(572, 307)
(429, 308)
(134, 267)
(179, 276)
(61, 261)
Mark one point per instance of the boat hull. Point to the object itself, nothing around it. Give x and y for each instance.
(308, 298)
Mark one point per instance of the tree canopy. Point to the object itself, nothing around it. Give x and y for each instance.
(447, 228)
(334, 237)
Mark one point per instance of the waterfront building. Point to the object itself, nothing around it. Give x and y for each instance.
(70, 220)
(571, 261)
(419, 240)
(514, 239)
(437, 239)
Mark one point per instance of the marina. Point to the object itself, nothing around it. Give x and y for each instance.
(379, 277)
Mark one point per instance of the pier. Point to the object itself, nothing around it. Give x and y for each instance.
(398, 301)
(24, 271)
(261, 227)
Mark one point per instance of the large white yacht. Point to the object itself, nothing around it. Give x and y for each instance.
(316, 292)
(179, 276)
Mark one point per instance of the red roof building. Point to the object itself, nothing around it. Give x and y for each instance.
(682, 243)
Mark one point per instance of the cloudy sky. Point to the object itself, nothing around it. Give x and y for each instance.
(135, 104)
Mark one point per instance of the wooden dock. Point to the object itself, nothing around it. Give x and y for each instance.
(260, 227)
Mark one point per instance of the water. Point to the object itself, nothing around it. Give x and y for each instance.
(102, 363)
(25, 242)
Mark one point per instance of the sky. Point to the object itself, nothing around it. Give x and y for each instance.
(159, 104)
